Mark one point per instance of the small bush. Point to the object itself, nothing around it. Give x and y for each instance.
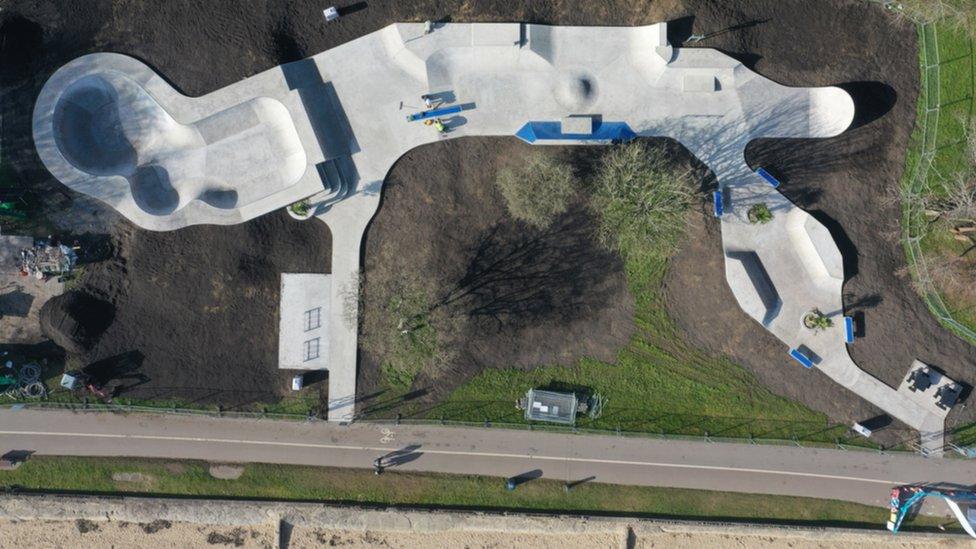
(301, 208)
(816, 320)
(759, 213)
(538, 190)
(642, 198)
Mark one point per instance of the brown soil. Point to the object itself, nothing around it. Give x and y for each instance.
(196, 310)
(182, 303)
(509, 295)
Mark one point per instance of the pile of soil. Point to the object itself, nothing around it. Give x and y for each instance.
(76, 320)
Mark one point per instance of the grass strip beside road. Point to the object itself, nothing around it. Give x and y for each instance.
(328, 484)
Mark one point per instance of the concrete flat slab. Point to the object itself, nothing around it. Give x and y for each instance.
(304, 317)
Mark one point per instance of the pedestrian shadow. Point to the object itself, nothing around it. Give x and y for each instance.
(402, 456)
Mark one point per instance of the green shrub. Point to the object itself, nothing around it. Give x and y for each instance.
(301, 208)
(642, 198)
(816, 320)
(538, 190)
(759, 213)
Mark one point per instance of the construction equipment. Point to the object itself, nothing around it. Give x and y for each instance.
(46, 259)
(77, 379)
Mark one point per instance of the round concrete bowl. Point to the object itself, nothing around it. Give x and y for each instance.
(103, 123)
(107, 126)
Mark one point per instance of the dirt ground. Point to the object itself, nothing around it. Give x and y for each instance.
(196, 310)
(162, 282)
(515, 296)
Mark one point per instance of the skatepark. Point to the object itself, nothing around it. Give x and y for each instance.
(321, 128)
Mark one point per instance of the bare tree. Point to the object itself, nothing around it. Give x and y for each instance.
(538, 189)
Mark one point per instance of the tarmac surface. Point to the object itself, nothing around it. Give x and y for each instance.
(853, 475)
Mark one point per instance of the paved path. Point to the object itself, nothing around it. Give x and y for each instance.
(859, 476)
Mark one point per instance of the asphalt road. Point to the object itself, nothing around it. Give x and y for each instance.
(859, 476)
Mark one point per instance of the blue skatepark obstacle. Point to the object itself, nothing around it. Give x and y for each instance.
(718, 205)
(603, 132)
(768, 177)
(801, 358)
(434, 113)
(849, 329)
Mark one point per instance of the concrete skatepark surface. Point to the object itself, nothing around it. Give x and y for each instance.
(557, 77)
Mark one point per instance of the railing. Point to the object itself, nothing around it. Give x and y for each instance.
(915, 184)
(858, 445)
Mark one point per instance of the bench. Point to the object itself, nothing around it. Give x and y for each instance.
(718, 204)
(801, 358)
(768, 177)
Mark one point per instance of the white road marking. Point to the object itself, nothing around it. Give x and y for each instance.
(456, 453)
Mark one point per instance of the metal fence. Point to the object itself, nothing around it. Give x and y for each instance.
(916, 183)
(907, 447)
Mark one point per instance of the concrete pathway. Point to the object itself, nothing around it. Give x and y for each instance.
(858, 476)
(331, 127)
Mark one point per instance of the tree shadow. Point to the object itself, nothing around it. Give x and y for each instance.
(118, 368)
(518, 275)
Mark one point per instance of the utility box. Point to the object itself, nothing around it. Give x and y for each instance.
(71, 381)
(331, 14)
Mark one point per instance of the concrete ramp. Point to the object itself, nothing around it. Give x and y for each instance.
(752, 286)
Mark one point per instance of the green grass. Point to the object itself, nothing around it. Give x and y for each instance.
(659, 384)
(298, 405)
(260, 481)
(954, 94)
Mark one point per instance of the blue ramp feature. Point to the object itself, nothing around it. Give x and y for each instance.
(849, 329)
(718, 204)
(768, 177)
(603, 132)
(434, 113)
(801, 358)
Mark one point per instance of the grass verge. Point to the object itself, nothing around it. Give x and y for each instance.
(279, 482)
